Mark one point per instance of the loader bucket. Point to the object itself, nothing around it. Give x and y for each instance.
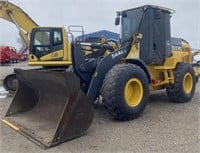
(49, 107)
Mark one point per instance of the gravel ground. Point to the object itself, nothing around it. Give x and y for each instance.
(164, 127)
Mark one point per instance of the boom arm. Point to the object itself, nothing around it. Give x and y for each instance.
(17, 16)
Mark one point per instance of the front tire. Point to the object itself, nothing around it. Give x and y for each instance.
(184, 83)
(125, 91)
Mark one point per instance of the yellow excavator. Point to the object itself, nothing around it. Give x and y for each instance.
(53, 106)
(57, 59)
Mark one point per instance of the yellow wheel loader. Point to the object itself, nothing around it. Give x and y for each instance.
(53, 106)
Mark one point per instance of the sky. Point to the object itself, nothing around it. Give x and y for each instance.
(95, 15)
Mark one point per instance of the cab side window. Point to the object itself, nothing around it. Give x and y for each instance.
(57, 39)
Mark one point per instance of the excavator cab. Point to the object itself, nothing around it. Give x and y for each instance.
(49, 47)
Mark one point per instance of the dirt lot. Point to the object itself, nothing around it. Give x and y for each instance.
(164, 127)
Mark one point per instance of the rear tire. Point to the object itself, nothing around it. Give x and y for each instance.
(184, 84)
(10, 83)
(125, 91)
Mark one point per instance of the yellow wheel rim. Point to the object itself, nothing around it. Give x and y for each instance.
(133, 92)
(187, 83)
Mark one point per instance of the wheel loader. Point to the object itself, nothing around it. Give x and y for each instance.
(51, 107)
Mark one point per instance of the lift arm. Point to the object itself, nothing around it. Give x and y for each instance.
(17, 16)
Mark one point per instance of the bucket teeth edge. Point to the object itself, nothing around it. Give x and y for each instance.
(10, 124)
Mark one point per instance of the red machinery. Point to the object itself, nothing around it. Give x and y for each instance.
(9, 55)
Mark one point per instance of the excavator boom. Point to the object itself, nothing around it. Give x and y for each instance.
(17, 16)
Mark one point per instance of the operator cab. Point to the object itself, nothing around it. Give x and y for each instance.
(45, 41)
(153, 23)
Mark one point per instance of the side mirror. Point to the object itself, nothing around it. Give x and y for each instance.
(117, 20)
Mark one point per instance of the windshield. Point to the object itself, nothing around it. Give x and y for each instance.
(46, 41)
(42, 42)
(130, 23)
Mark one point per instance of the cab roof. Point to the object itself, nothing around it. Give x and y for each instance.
(171, 11)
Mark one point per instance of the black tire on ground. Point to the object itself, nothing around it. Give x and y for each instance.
(184, 83)
(10, 83)
(125, 91)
